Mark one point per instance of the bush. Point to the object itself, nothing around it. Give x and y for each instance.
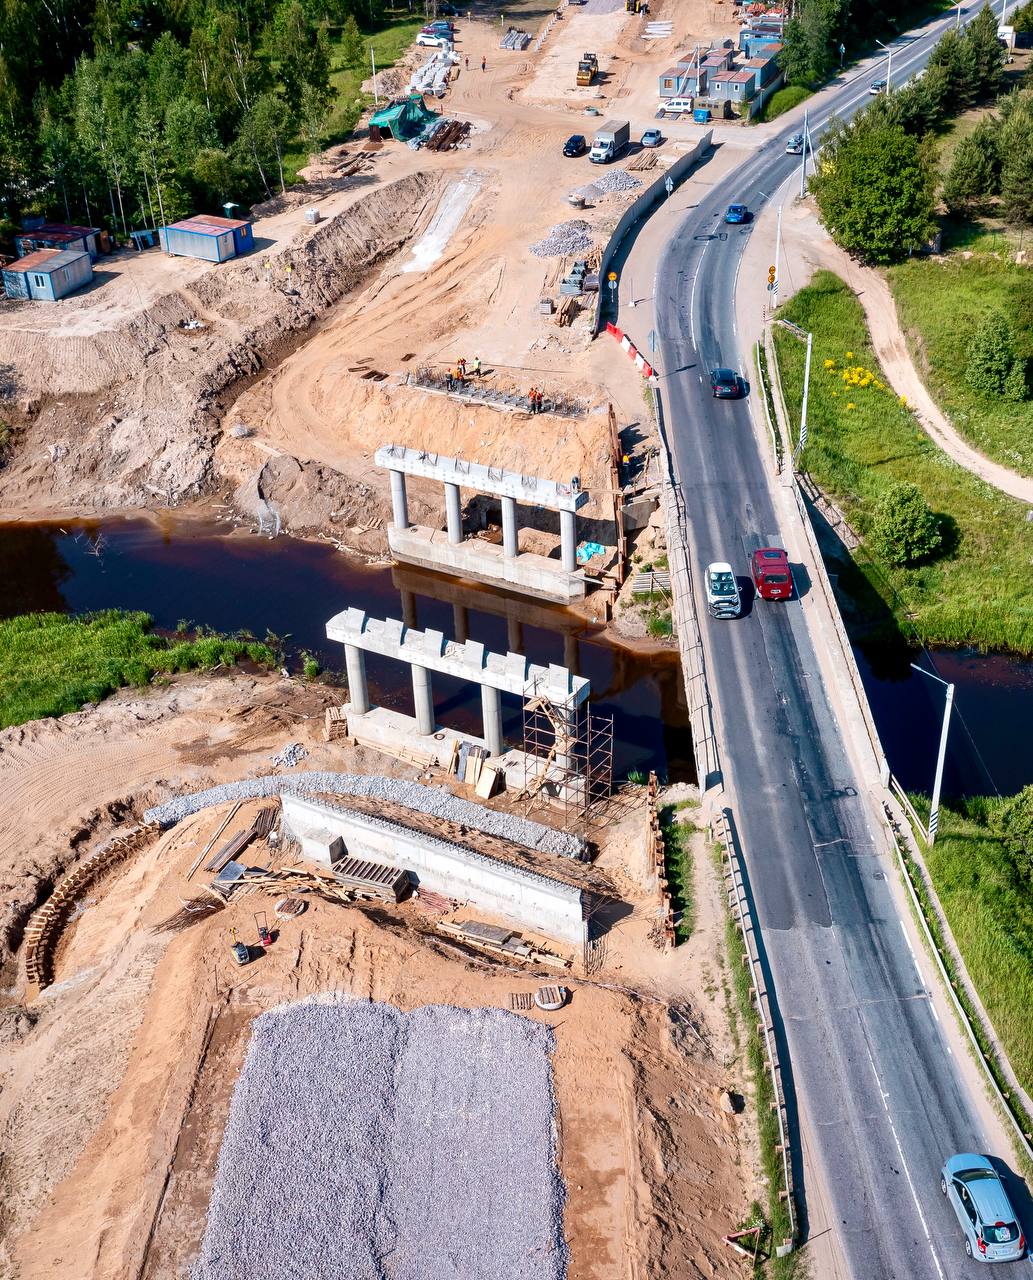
(903, 529)
(783, 100)
(993, 367)
(310, 666)
(1013, 822)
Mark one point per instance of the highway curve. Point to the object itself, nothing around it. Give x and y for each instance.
(874, 1081)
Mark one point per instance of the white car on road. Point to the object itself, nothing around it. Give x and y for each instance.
(723, 599)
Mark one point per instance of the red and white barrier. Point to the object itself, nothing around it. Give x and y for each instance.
(641, 363)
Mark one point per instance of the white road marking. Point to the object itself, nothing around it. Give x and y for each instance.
(903, 1164)
(914, 958)
(692, 296)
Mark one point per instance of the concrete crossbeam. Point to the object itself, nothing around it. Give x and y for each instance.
(509, 673)
(551, 494)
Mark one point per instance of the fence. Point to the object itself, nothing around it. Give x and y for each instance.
(44, 927)
(636, 211)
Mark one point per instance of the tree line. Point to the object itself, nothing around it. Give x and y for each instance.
(814, 34)
(139, 111)
(878, 180)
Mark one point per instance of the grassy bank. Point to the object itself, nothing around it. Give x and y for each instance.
(678, 831)
(861, 440)
(51, 664)
(784, 99)
(985, 894)
(941, 305)
(748, 1041)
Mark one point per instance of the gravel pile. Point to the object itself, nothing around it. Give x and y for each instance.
(292, 754)
(433, 800)
(363, 1141)
(564, 238)
(616, 180)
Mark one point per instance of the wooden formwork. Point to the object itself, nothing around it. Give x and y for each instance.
(44, 927)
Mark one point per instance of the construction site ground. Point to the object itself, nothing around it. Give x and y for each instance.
(270, 380)
(117, 1078)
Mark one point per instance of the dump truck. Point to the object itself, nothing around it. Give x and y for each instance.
(587, 70)
(610, 140)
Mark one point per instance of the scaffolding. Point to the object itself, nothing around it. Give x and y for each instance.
(568, 759)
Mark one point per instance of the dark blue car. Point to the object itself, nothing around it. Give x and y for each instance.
(737, 213)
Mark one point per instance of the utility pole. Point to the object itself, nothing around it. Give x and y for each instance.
(934, 807)
(373, 64)
(803, 157)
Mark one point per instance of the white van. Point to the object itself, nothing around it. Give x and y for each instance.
(674, 106)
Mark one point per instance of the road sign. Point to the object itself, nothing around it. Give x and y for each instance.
(669, 184)
(613, 284)
(651, 341)
(612, 276)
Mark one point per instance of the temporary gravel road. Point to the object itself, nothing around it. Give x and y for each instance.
(364, 1143)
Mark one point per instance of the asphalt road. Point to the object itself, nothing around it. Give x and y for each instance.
(872, 1072)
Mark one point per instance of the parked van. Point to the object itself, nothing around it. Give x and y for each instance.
(675, 106)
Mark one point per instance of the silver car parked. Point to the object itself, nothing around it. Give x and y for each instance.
(991, 1225)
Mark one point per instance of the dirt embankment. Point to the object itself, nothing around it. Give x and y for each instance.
(122, 416)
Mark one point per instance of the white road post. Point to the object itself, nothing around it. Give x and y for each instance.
(806, 389)
(934, 807)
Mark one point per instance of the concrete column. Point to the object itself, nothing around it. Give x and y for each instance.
(568, 540)
(409, 609)
(453, 513)
(358, 691)
(491, 711)
(461, 623)
(514, 634)
(423, 700)
(509, 526)
(399, 504)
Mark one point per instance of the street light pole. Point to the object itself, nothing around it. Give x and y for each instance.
(889, 66)
(806, 389)
(803, 157)
(778, 259)
(934, 808)
(958, 23)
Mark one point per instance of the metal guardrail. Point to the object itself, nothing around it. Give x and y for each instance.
(739, 903)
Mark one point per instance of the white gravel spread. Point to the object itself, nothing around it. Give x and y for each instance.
(364, 1143)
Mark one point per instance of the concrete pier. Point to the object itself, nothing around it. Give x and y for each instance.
(429, 651)
(482, 561)
(399, 502)
(358, 690)
(568, 541)
(491, 716)
(510, 542)
(453, 513)
(423, 700)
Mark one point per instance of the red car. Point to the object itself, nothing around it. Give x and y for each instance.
(771, 573)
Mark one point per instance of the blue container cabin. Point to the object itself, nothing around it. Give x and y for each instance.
(48, 274)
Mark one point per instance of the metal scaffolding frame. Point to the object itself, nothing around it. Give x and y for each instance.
(568, 759)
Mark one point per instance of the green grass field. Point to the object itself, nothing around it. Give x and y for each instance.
(51, 664)
(986, 896)
(783, 100)
(861, 440)
(940, 306)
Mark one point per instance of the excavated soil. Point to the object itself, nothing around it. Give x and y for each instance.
(117, 1079)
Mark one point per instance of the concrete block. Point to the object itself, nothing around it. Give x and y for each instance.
(433, 642)
(393, 629)
(475, 653)
(559, 681)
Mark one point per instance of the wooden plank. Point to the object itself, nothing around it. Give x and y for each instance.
(231, 849)
(208, 847)
(487, 782)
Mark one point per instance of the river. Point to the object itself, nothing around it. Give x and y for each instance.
(182, 570)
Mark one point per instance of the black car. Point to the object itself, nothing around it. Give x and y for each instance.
(725, 384)
(575, 145)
